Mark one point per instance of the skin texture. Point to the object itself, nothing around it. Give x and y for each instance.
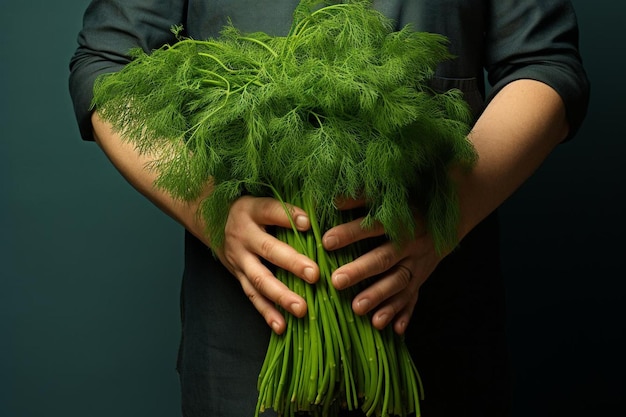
(513, 136)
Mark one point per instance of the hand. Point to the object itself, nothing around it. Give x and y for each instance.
(247, 242)
(401, 269)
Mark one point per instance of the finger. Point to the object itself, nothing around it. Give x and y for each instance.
(383, 291)
(245, 232)
(284, 256)
(264, 306)
(267, 285)
(372, 263)
(397, 309)
(402, 320)
(347, 233)
(269, 211)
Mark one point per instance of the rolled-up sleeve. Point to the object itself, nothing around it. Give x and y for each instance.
(110, 29)
(538, 39)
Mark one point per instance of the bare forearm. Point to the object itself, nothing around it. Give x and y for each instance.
(133, 166)
(246, 239)
(517, 131)
(514, 135)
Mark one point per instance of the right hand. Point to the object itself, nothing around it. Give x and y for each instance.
(247, 242)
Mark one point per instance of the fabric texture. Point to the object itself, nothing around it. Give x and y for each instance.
(457, 335)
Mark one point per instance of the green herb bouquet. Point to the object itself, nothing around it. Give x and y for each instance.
(339, 107)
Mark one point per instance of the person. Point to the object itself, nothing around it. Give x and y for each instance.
(536, 98)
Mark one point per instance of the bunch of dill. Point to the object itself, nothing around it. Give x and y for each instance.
(339, 107)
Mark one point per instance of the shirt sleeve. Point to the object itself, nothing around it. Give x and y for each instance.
(538, 39)
(110, 29)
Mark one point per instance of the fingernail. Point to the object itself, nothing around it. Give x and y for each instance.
(302, 222)
(401, 327)
(382, 319)
(296, 309)
(331, 242)
(364, 305)
(275, 327)
(309, 274)
(340, 281)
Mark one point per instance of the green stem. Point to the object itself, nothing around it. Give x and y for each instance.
(224, 80)
(194, 42)
(262, 44)
(279, 397)
(314, 334)
(336, 358)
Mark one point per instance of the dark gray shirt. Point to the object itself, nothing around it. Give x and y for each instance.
(510, 39)
(457, 333)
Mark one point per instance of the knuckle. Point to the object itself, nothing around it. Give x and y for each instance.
(252, 296)
(385, 259)
(258, 281)
(352, 233)
(268, 247)
(272, 209)
(404, 277)
(231, 260)
(292, 211)
(281, 300)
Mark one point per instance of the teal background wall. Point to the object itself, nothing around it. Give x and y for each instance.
(90, 272)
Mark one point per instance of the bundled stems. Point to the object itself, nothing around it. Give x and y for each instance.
(332, 358)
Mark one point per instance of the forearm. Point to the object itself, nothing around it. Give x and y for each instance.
(246, 239)
(134, 167)
(514, 135)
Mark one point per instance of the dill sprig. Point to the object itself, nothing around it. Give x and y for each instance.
(339, 107)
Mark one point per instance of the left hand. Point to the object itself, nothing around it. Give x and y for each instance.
(401, 270)
(513, 135)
